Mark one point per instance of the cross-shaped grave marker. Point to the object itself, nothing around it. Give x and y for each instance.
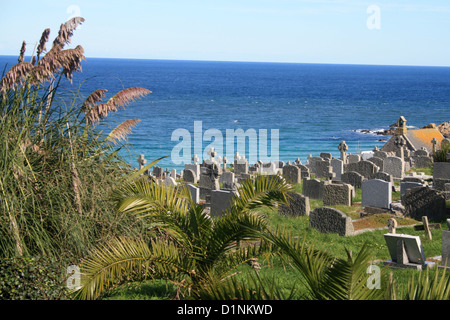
(343, 149)
(212, 154)
(225, 160)
(434, 142)
(195, 159)
(392, 225)
(141, 161)
(427, 227)
(400, 143)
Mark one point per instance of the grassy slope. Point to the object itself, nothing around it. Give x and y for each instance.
(332, 243)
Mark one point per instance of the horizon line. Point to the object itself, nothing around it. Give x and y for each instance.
(256, 61)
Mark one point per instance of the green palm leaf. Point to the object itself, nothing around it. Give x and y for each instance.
(128, 258)
(347, 279)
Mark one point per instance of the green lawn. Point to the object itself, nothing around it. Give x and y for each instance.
(334, 244)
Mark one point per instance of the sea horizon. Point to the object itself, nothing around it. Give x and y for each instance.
(313, 105)
(250, 61)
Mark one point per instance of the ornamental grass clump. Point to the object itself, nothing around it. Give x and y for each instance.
(56, 169)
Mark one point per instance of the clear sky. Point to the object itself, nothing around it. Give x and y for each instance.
(395, 32)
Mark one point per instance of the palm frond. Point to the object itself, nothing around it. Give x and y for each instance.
(250, 287)
(310, 262)
(426, 287)
(128, 258)
(347, 279)
(264, 191)
(144, 197)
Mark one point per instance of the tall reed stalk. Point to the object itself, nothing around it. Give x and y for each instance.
(56, 169)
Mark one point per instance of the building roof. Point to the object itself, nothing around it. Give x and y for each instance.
(417, 139)
(421, 138)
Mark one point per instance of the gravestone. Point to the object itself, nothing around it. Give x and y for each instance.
(422, 161)
(189, 176)
(400, 143)
(406, 185)
(343, 149)
(441, 174)
(336, 194)
(337, 166)
(227, 180)
(221, 201)
(445, 249)
(269, 168)
(447, 191)
(224, 162)
(304, 171)
(244, 177)
(326, 155)
(424, 201)
(392, 225)
(322, 168)
(384, 176)
(418, 179)
(365, 155)
(195, 167)
(169, 181)
(376, 193)
(157, 172)
(353, 178)
(365, 168)
(379, 162)
(280, 164)
(195, 193)
(353, 158)
(298, 205)
(406, 251)
(240, 165)
(330, 220)
(420, 153)
(292, 174)
(395, 167)
(313, 188)
(439, 184)
(208, 180)
(141, 162)
(380, 154)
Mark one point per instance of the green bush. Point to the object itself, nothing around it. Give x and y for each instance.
(441, 155)
(32, 279)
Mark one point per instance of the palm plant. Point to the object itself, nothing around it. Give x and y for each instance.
(323, 276)
(191, 248)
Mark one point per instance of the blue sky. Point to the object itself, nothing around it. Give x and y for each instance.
(324, 31)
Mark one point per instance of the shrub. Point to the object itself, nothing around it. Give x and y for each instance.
(32, 279)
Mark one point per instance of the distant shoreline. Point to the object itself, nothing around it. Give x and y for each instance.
(444, 128)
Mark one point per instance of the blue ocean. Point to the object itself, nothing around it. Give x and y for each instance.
(313, 106)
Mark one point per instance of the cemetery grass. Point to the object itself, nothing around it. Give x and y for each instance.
(285, 277)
